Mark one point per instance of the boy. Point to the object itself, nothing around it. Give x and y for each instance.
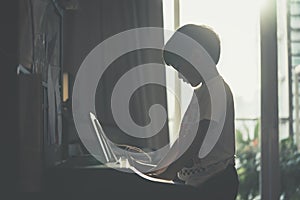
(214, 175)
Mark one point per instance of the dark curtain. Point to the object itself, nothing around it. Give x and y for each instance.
(40, 53)
(93, 22)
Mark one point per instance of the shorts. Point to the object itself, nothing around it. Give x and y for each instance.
(222, 186)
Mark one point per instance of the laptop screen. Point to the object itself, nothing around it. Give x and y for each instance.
(102, 139)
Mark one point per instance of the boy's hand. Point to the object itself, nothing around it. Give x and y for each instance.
(157, 172)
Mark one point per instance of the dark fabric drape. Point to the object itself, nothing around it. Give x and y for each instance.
(95, 21)
(40, 52)
(30, 128)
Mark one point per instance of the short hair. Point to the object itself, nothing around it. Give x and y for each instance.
(202, 34)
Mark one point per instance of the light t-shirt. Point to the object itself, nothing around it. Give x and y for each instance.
(223, 151)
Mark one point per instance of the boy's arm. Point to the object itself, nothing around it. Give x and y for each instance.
(171, 170)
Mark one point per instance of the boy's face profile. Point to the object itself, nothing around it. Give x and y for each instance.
(186, 71)
(187, 74)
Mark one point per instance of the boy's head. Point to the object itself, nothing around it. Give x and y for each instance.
(206, 37)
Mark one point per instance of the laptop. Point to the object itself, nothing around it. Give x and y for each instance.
(114, 161)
